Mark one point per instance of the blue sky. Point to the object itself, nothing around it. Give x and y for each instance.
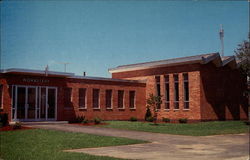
(96, 35)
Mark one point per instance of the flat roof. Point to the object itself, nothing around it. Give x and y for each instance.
(21, 71)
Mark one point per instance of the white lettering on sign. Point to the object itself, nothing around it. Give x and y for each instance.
(35, 80)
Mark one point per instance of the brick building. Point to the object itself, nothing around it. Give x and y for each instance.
(202, 87)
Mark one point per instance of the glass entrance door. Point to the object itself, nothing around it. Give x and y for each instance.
(21, 102)
(31, 102)
(34, 103)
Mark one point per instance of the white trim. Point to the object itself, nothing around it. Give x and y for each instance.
(40, 72)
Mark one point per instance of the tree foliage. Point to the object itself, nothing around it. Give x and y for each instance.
(243, 55)
(152, 103)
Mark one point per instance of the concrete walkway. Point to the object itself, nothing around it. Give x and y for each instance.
(164, 146)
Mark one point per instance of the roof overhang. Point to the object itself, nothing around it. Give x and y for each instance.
(201, 59)
(32, 72)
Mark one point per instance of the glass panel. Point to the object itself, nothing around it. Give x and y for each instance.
(96, 98)
(31, 103)
(82, 97)
(21, 91)
(108, 98)
(51, 102)
(132, 99)
(43, 103)
(120, 98)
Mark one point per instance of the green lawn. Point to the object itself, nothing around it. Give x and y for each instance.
(38, 144)
(194, 129)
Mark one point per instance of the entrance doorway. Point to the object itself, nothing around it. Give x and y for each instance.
(34, 103)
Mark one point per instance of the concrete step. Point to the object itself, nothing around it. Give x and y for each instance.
(42, 122)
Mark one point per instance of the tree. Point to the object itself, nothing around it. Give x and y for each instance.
(152, 103)
(243, 55)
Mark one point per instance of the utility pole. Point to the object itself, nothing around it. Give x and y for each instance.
(222, 39)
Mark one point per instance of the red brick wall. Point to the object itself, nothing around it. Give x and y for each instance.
(69, 113)
(194, 89)
(222, 94)
(103, 113)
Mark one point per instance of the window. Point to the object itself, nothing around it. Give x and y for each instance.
(82, 97)
(96, 98)
(1, 96)
(167, 96)
(131, 99)
(158, 88)
(120, 99)
(176, 91)
(67, 97)
(109, 99)
(186, 91)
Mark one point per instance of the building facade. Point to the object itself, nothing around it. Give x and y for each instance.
(200, 88)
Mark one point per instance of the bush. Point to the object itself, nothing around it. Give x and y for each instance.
(85, 121)
(167, 120)
(1, 124)
(247, 122)
(17, 125)
(4, 119)
(97, 120)
(150, 119)
(79, 119)
(133, 119)
(183, 120)
(148, 114)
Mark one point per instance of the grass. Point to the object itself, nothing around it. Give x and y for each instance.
(38, 144)
(194, 129)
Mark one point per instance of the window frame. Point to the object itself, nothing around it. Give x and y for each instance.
(1, 96)
(186, 102)
(134, 99)
(123, 104)
(167, 92)
(93, 102)
(176, 94)
(85, 98)
(158, 89)
(111, 99)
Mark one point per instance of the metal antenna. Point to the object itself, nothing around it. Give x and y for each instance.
(65, 65)
(222, 39)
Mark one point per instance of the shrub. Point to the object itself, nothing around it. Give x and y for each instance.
(1, 124)
(85, 121)
(4, 119)
(247, 122)
(97, 120)
(167, 120)
(79, 119)
(148, 114)
(183, 120)
(150, 119)
(133, 119)
(17, 125)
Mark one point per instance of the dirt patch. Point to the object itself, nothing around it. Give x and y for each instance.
(10, 128)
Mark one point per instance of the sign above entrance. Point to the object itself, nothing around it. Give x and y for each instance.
(35, 80)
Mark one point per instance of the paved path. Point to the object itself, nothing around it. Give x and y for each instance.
(164, 146)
